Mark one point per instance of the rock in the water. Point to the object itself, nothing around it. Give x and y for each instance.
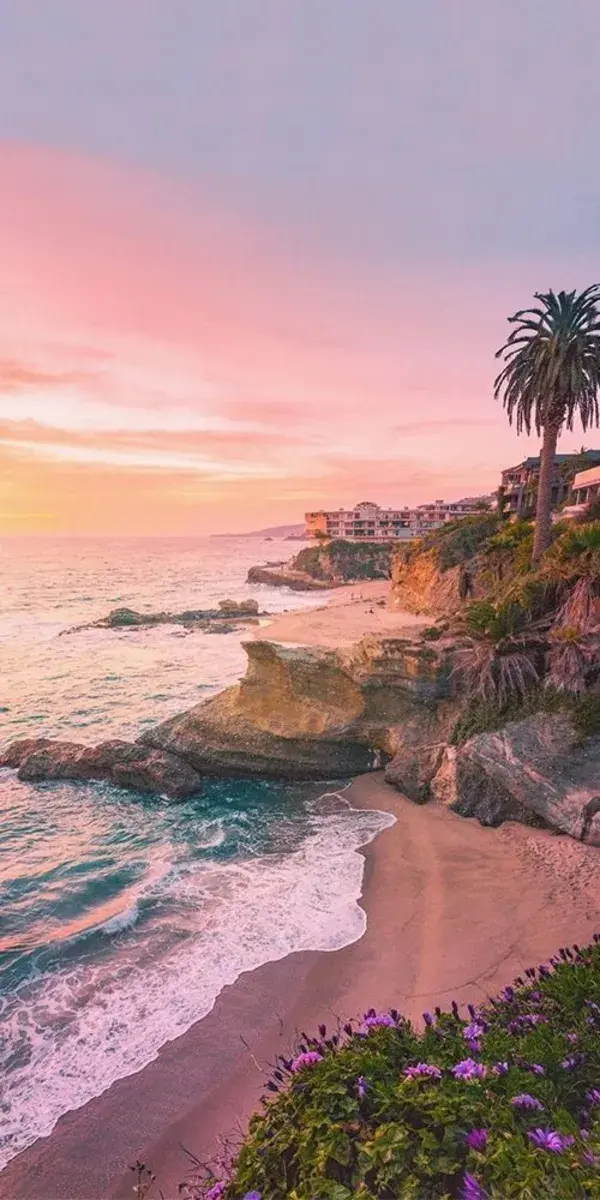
(533, 771)
(282, 577)
(17, 752)
(239, 608)
(125, 764)
(128, 616)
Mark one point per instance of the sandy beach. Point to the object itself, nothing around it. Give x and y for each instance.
(454, 911)
(350, 614)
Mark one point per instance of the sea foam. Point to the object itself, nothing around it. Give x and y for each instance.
(72, 1032)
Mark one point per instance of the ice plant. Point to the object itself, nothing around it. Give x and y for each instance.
(593, 1096)
(527, 1101)
(473, 1031)
(216, 1192)
(374, 1020)
(469, 1069)
(310, 1058)
(472, 1189)
(477, 1139)
(549, 1139)
(423, 1069)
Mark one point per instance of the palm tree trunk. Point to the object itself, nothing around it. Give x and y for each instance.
(543, 513)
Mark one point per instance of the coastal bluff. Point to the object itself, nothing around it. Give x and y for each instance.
(300, 712)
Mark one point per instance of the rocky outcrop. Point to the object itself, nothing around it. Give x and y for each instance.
(418, 746)
(534, 771)
(420, 586)
(328, 565)
(285, 576)
(125, 764)
(298, 713)
(206, 619)
(308, 712)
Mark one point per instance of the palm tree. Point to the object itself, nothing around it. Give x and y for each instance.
(552, 375)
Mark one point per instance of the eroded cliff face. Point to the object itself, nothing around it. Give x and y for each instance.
(535, 771)
(298, 713)
(309, 713)
(419, 586)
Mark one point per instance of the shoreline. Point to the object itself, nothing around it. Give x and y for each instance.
(454, 911)
(353, 611)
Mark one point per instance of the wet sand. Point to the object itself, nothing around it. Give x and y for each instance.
(454, 911)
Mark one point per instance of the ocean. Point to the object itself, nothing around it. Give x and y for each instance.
(122, 917)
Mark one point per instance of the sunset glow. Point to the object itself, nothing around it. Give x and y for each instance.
(169, 365)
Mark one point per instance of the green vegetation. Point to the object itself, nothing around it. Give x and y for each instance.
(551, 376)
(502, 1104)
(349, 561)
(458, 541)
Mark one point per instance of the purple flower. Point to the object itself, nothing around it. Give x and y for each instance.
(536, 1069)
(527, 1101)
(472, 1189)
(474, 1046)
(361, 1087)
(253, 1196)
(374, 1020)
(473, 1031)
(501, 1068)
(569, 1063)
(549, 1139)
(589, 1158)
(469, 1069)
(309, 1059)
(593, 1096)
(423, 1069)
(216, 1192)
(477, 1139)
(572, 1037)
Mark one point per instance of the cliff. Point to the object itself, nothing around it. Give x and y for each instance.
(308, 712)
(328, 565)
(298, 713)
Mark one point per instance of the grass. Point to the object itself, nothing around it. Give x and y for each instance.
(501, 1102)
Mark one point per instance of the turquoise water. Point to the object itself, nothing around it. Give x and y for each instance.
(123, 916)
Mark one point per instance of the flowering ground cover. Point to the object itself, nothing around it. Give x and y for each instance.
(503, 1102)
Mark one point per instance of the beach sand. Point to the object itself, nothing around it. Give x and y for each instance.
(455, 911)
(350, 614)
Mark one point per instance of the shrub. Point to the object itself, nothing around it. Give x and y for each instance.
(459, 541)
(503, 1104)
(503, 659)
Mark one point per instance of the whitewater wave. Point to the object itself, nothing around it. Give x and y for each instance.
(68, 1034)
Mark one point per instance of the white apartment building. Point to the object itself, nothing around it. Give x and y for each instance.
(367, 521)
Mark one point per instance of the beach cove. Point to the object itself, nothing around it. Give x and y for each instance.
(453, 911)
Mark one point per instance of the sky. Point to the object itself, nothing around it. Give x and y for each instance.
(257, 255)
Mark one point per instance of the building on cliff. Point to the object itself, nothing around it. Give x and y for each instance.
(585, 489)
(520, 483)
(368, 522)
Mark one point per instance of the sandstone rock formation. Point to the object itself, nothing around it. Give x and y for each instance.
(419, 586)
(533, 771)
(298, 713)
(308, 712)
(126, 764)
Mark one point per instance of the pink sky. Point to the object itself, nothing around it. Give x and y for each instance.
(167, 365)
